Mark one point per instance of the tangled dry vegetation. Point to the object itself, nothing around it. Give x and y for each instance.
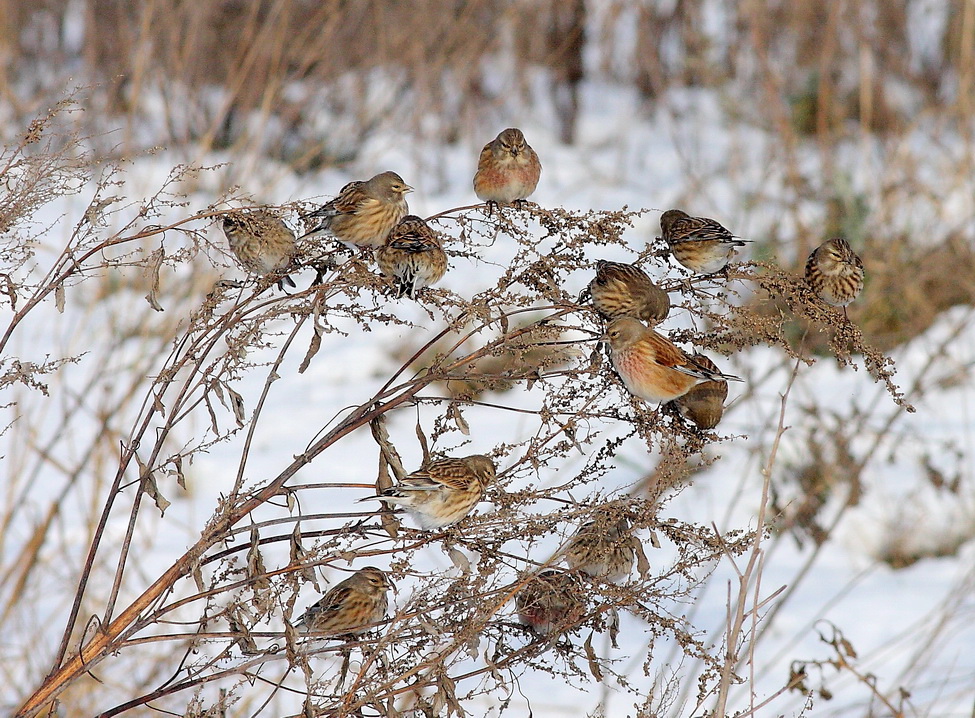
(96, 430)
(215, 625)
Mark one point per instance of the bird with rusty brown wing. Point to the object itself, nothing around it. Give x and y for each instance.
(650, 366)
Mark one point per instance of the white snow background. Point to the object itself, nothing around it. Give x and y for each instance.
(625, 156)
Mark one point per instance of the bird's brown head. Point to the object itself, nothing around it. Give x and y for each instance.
(624, 331)
(374, 579)
(410, 224)
(483, 468)
(388, 186)
(606, 269)
(512, 141)
(837, 249)
(611, 518)
(669, 218)
(551, 574)
(233, 221)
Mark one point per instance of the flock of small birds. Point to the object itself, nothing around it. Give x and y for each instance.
(373, 215)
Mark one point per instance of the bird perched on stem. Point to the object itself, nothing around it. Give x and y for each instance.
(625, 290)
(700, 244)
(442, 492)
(350, 607)
(550, 602)
(412, 256)
(261, 241)
(650, 366)
(703, 405)
(835, 273)
(363, 213)
(602, 548)
(508, 169)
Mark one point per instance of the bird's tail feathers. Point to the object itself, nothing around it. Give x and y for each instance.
(700, 372)
(398, 494)
(323, 212)
(319, 231)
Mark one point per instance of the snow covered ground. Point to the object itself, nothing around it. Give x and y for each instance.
(910, 626)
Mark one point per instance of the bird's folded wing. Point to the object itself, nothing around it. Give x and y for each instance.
(665, 353)
(412, 243)
(451, 473)
(327, 603)
(351, 199)
(702, 229)
(485, 155)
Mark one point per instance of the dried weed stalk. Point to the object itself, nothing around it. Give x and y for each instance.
(219, 616)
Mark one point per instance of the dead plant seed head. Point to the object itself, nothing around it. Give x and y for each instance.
(521, 429)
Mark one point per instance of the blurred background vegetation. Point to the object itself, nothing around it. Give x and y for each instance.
(863, 109)
(307, 83)
(197, 71)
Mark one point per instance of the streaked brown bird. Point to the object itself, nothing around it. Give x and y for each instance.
(623, 290)
(508, 169)
(443, 492)
(835, 272)
(350, 607)
(650, 366)
(261, 241)
(603, 548)
(704, 404)
(551, 602)
(700, 244)
(412, 256)
(363, 213)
